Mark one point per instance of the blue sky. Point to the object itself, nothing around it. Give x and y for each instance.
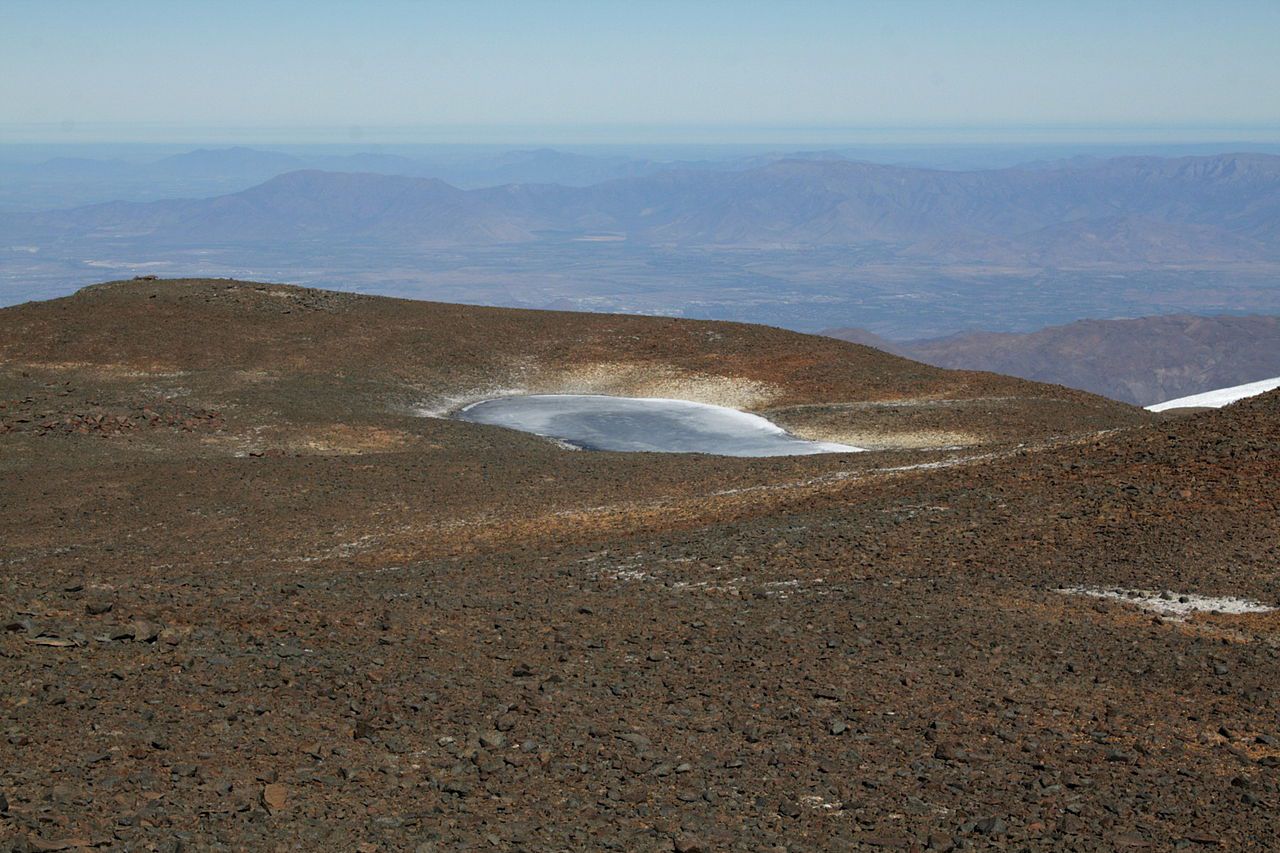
(719, 70)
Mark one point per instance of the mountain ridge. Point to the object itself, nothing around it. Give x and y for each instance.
(1142, 210)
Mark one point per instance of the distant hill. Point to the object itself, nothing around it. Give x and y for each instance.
(1143, 361)
(64, 182)
(307, 205)
(1127, 211)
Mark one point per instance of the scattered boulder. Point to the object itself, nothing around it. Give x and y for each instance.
(144, 632)
(687, 842)
(275, 796)
(991, 826)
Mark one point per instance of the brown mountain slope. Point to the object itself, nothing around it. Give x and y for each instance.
(394, 632)
(1143, 361)
(379, 358)
(855, 335)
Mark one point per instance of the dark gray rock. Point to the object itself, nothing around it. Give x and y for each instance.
(991, 826)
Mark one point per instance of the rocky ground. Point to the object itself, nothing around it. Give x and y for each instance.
(252, 599)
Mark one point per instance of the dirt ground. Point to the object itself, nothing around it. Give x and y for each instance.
(255, 596)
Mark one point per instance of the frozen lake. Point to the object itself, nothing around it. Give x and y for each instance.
(592, 422)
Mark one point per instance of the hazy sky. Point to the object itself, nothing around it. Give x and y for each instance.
(146, 68)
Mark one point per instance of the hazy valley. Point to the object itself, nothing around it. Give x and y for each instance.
(804, 243)
(1143, 361)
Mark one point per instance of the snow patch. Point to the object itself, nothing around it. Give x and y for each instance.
(1220, 397)
(630, 575)
(822, 804)
(644, 424)
(1171, 603)
(447, 406)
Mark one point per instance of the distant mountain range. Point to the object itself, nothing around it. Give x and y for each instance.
(543, 164)
(1142, 361)
(1196, 210)
(63, 182)
(807, 242)
(75, 180)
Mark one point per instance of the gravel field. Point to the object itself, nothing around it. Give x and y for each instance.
(252, 599)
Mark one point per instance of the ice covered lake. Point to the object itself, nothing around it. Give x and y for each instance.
(592, 422)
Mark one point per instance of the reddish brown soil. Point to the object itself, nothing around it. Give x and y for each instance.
(287, 613)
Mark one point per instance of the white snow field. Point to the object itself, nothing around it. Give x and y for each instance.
(1172, 603)
(1220, 397)
(595, 422)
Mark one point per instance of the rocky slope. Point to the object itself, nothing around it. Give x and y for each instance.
(250, 600)
(291, 358)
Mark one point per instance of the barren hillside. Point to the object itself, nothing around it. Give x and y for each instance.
(253, 597)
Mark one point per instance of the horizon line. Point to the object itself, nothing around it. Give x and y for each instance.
(639, 133)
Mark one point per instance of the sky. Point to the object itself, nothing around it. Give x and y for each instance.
(694, 70)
